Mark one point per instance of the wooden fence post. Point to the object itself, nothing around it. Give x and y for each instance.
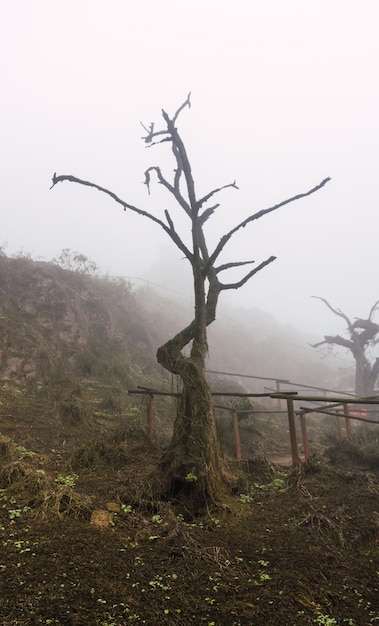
(292, 428)
(237, 440)
(339, 426)
(307, 453)
(150, 399)
(278, 391)
(347, 420)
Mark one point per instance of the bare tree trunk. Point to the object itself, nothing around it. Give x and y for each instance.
(191, 465)
(366, 376)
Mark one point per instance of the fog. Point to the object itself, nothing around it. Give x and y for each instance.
(284, 94)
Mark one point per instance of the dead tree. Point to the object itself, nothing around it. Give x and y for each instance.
(191, 466)
(363, 334)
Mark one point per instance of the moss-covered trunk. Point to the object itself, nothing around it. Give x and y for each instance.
(191, 464)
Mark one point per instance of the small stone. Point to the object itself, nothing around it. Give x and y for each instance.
(101, 518)
(113, 507)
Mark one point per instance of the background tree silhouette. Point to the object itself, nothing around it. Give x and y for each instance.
(191, 468)
(362, 335)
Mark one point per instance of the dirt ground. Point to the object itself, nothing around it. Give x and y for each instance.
(85, 540)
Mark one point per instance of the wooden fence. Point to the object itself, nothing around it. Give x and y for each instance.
(338, 407)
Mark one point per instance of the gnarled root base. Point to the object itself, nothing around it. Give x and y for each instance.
(195, 484)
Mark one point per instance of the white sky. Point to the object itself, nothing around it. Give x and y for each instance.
(284, 93)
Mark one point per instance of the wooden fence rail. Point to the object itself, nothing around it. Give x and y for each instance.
(290, 398)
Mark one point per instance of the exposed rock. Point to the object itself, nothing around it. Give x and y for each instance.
(101, 518)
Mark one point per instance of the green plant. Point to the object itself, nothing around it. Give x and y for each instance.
(246, 498)
(158, 583)
(126, 508)
(191, 478)
(325, 620)
(263, 575)
(117, 337)
(68, 481)
(24, 452)
(16, 513)
(279, 485)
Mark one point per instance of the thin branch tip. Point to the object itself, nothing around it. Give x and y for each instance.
(54, 178)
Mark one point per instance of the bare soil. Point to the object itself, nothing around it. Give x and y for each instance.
(85, 538)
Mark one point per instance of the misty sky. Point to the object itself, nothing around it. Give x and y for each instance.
(284, 94)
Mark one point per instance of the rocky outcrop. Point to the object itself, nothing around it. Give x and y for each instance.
(54, 322)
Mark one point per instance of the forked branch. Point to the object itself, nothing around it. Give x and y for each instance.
(228, 266)
(209, 195)
(336, 340)
(170, 230)
(224, 240)
(244, 280)
(335, 311)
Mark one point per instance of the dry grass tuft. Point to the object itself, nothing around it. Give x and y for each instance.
(99, 453)
(12, 474)
(74, 410)
(8, 449)
(63, 501)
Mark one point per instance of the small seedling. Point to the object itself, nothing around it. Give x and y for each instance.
(245, 498)
(126, 508)
(325, 620)
(68, 481)
(191, 478)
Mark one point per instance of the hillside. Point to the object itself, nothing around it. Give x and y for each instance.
(86, 536)
(58, 324)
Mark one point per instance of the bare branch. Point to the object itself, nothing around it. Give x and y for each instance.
(148, 130)
(223, 241)
(335, 311)
(317, 345)
(207, 213)
(178, 173)
(182, 106)
(373, 309)
(163, 181)
(147, 180)
(227, 266)
(249, 275)
(212, 193)
(181, 158)
(180, 154)
(156, 143)
(170, 230)
(336, 340)
(151, 133)
(369, 331)
(175, 237)
(365, 324)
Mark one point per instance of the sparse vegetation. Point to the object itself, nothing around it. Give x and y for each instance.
(75, 262)
(86, 538)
